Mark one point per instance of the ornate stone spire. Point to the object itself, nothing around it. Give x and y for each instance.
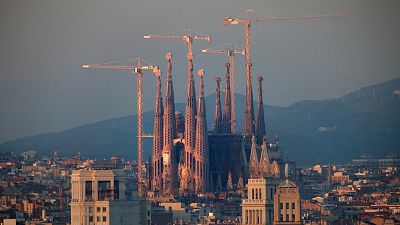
(190, 117)
(226, 121)
(275, 169)
(229, 185)
(253, 162)
(248, 126)
(260, 122)
(240, 187)
(201, 146)
(157, 136)
(217, 113)
(264, 168)
(169, 131)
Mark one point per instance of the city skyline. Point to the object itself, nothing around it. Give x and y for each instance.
(296, 123)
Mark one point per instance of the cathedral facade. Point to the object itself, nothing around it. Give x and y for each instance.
(187, 158)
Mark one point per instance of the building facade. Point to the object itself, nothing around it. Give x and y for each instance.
(106, 197)
(258, 207)
(287, 204)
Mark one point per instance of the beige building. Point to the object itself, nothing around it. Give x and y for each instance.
(106, 197)
(287, 204)
(258, 207)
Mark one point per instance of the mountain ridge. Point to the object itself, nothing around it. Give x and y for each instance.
(311, 131)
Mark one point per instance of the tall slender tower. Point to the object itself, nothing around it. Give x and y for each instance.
(248, 126)
(201, 146)
(157, 137)
(260, 122)
(169, 132)
(217, 113)
(190, 116)
(226, 121)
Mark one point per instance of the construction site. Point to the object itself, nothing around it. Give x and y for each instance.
(189, 158)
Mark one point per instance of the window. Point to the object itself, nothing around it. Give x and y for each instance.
(281, 205)
(90, 209)
(104, 219)
(98, 209)
(281, 217)
(260, 194)
(287, 205)
(98, 219)
(104, 209)
(90, 219)
(88, 191)
(252, 193)
(116, 189)
(293, 217)
(287, 217)
(104, 190)
(293, 205)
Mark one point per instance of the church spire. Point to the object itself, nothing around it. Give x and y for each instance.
(190, 117)
(201, 146)
(157, 136)
(217, 113)
(169, 131)
(226, 124)
(265, 164)
(253, 162)
(260, 122)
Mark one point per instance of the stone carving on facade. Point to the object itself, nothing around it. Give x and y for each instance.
(275, 169)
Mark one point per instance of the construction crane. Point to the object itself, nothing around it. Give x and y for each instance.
(137, 70)
(188, 39)
(249, 112)
(231, 51)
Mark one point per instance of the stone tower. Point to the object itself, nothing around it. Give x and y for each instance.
(201, 146)
(190, 118)
(168, 132)
(248, 126)
(157, 137)
(260, 122)
(226, 121)
(217, 113)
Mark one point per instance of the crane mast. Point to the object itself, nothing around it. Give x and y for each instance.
(249, 111)
(137, 70)
(231, 51)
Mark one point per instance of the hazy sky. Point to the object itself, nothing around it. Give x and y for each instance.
(44, 42)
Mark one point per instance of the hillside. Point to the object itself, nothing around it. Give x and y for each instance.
(310, 131)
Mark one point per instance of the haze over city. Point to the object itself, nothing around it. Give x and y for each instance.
(44, 43)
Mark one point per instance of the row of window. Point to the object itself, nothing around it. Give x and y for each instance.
(287, 218)
(256, 193)
(99, 209)
(98, 219)
(287, 205)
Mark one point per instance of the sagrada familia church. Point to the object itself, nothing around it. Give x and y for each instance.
(188, 158)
